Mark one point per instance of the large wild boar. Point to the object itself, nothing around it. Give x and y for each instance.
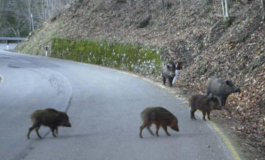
(48, 117)
(221, 88)
(204, 104)
(160, 117)
(168, 72)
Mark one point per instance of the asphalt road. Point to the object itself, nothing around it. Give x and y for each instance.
(104, 107)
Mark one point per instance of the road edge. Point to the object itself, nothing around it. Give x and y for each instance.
(226, 139)
(1, 79)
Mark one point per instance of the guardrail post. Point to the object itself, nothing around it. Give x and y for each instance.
(46, 51)
(7, 44)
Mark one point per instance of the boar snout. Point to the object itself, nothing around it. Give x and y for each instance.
(218, 108)
(172, 74)
(65, 120)
(67, 124)
(176, 128)
(174, 125)
(238, 90)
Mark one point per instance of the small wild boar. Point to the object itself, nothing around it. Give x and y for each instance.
(48, 117)
(168, 72)
(221, 88)
(204, 104)
(160, 117)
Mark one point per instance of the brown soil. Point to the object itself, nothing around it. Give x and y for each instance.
(245, 145)
(195, 33)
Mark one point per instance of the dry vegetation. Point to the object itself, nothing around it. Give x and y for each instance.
(192, 32)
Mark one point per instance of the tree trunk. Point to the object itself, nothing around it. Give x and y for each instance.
(263, 9)
(225, 8)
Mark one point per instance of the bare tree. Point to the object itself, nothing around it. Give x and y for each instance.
(29, 14)
(263, 9)
(131, 7)
(19, 17)
(225, 8)
(7, 19)
(0, 16)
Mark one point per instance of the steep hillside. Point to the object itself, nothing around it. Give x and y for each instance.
(190, 31)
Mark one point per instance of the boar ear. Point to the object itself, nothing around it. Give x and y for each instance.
(61, 115)
(211, 97)
(228, 82)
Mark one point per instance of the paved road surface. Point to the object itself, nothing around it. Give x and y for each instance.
(104, 108)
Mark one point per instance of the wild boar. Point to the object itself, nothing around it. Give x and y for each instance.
(160, 117)
(168, 72)
(204, 104)
(53, 110)
(221, 88)
(48, 117)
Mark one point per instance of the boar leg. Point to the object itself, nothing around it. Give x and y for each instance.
(150, 131)
(30, 129)
(52, 129)
(220, 101)
(223, 99)
(37, 131)
(141, 129)
(164, 80)
(192, 114)
(140, 134)
(157, 128)
(207, 92)
(35, 125)
(170, 81)
(208, 115)
(165, 129)
(204, 113)
(56, 130)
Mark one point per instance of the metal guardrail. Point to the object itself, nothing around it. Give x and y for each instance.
(12, 38)
(8, 39)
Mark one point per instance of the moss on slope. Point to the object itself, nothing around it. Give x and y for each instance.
(129, 56)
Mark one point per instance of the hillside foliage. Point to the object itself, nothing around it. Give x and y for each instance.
(193, 32)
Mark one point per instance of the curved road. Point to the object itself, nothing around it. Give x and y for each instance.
(104, 107)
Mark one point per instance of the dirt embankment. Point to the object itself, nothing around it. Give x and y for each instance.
(193, 32)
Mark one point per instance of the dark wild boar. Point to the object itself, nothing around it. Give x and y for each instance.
(204, 104)
(57, 112)
(48, 117)
(160, 117)
(221, 88)
(168, 72)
